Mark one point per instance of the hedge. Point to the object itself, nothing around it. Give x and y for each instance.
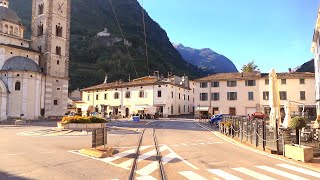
(80, 119)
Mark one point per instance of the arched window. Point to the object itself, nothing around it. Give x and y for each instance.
(40, 30)
(17, 86)
(58, 50)
(58, 31)
(11, 30)
(16, 31)
(0, 27)
(6, 27)
(40, 9)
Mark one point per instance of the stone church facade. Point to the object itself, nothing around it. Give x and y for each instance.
(34, 73)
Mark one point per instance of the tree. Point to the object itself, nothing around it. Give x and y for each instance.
(250, 67)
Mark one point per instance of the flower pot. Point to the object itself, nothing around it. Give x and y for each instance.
(300, 153)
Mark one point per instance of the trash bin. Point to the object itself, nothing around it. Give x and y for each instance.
(136, 118)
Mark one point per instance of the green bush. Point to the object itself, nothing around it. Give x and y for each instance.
(82, 120)
(298, 122)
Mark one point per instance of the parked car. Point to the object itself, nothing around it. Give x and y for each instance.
(258, 115)
(217, 118)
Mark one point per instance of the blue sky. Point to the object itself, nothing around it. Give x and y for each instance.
(275, 33)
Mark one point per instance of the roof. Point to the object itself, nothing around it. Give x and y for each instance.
(255, 75)
(20, 47)
(7, 14)
(20, 63)
(144, 81)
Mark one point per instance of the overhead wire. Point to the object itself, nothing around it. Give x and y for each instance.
(115, 15)
(145, 36)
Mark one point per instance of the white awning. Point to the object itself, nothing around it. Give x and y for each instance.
(139, 108)
(84, 108)
(201, 108)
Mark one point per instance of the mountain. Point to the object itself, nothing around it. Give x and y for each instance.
(307, 67)
(95, 52)
(206, 59)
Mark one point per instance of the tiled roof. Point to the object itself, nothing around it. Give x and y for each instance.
(254, 75)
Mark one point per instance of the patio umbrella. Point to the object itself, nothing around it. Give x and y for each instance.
(274, 99)
(287, 119)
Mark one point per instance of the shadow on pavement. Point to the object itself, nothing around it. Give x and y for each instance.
(5, 175)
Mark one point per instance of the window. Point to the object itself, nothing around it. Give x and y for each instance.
(215, 84)
(184, 108)
(250, 82)
(40, 9)
(40, 30)
(231, 83)
(58, 62)
(17, 86)
(203, 85)
(232, 111)
(283, 81)
(302, 95)
(88, 97)
(127, 95)
(39, 49)
(16, 31)
(159, 93)
(11, 30)
(116, 95)
(58, 50)
(0, 27)
(55, 102)
(215, 110)
(188, 98)
(232, 96)
(214, 96)
(302, 81)
(58, 31)
(283, 95)
(97, 96)
(179, 96)
(6, 27)
(265, 95)
(171, 94)
(250, 96)
(141, 94)
(105, 96)
(184, 97)
(203, 96)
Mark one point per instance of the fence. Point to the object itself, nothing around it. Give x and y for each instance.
(258, 133)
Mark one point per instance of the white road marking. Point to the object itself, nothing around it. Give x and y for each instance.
(223, 174)
(175, 145)
(183, 144)
(17, 154)
(155, 165)
(280, 173)
(123, 154)
(201, 143)
(253, 174)
(300, 170)
(191, 175)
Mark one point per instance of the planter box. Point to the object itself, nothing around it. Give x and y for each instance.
(300, 153)
(81, 126)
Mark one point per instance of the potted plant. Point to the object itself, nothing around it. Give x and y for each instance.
(296, 151)
(82, 123)
(228, 126)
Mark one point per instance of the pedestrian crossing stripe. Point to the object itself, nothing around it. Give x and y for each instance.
(123, 161)
(273, 171)
(195, 144)
(51, 132)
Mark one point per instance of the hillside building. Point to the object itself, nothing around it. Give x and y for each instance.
(146, 95)
(34, 73)
(246, 93)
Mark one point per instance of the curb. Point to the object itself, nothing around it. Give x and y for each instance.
(256, 150)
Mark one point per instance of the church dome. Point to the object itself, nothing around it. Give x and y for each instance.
(9, 15)
(20, 63)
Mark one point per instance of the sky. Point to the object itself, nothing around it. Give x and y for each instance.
(275, 33)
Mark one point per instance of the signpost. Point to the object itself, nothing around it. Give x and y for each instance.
(99, 137)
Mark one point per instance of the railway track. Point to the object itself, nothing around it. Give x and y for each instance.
(158, 154)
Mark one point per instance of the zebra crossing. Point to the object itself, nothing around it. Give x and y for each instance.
(149, 168)
(51, 132)
(279, 171)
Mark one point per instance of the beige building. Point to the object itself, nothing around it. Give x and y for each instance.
(246, 93)
(34, 73)
(147, 95)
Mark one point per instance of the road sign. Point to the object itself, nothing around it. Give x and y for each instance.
(99, 137)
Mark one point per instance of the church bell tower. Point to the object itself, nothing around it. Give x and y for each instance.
(51, 37)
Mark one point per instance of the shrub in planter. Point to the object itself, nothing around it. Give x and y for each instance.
(82, 120)
(298, 123)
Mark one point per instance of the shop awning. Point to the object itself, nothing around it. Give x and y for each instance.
(139, 108)
(202, 108)
(307, 106)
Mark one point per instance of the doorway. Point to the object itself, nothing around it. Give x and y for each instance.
(127, 112)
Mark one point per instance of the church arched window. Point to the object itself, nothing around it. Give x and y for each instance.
(6, 27)
(58, 50)
(17, 86)
(40, 9)
(0, 27)
(16, 31)
(40, 30)
(59, 31)
(11, 30)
